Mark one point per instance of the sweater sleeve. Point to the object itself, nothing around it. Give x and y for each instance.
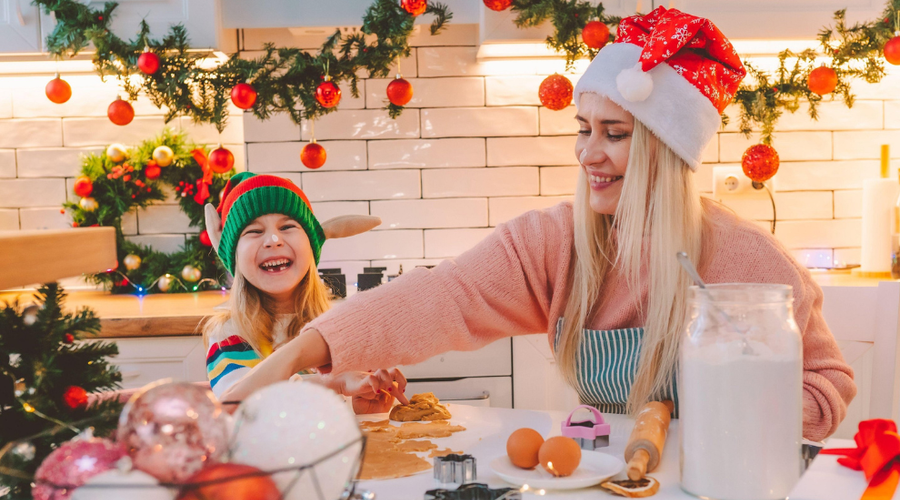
(509, 284)
(228, 358)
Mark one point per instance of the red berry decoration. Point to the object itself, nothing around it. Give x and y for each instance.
(58, 90)
(153, 171)
(221, 160)
(120, 112)
(148, 63)
(243, 95)
(822, 80)
(69, 338)
(555, 92)
(75, 397)
(892, 50)
(595, 34)
(313, 155)
(399, 91)
(204, 239)
(497, 5)
(328, 94)
(83, 186)
(414, 7)
(760, 162)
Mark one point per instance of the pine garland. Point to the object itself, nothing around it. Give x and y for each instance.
(119, 191)
(285, 79)
(43, 352)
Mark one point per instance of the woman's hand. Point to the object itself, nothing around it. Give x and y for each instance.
(372, 392)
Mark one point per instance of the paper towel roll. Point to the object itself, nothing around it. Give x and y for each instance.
(879, 199)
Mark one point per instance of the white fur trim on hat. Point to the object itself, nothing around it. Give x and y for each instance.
(634, 84)
(674, 110)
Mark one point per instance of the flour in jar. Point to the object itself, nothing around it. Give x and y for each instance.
(741, 421)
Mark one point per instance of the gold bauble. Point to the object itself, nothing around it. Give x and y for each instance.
(132, 262)
(88, 204)
(164, 282)
(191, 274)
(163, 156)
(116, 153)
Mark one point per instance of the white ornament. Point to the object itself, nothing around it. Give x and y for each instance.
(88, 204)
(132, 262)
(634, 83)
(116, 152)
(291, 424)
(117, 485)
(29, 315)
(191, 273)
(163, 156)
(164, 283)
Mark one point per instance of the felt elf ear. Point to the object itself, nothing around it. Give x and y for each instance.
(213, 225)
(349, 225)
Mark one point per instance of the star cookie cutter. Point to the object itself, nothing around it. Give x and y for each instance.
(455, 468)
(589, 434)
(474, 491)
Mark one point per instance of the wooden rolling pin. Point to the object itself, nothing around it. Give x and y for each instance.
(645, 446)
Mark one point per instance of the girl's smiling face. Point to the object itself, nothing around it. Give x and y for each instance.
(274, 255)
(602, 148)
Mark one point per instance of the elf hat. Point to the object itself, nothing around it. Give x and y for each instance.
(247, 196)
(680, 101)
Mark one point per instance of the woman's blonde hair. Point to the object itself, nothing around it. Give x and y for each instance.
(659, 213)
(252, 311)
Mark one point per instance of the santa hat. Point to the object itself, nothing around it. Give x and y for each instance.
(674, 72)
(247, 196)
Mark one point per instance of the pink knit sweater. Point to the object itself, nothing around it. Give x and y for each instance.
(514, 282)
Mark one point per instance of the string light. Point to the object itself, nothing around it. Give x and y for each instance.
(141, 290)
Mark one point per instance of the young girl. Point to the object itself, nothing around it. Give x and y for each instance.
(600, 276)
(268, 238)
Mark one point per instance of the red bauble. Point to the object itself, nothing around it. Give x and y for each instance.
(822, 80)
(148, 62)
(328, 94)
(595, 34)
(497, 5)
(152, 171)
(69, 338)
(120, 112)
(313, 155)
(399, 91)
(72, 464)
(204, 239)
(83, 186)
(555, 92)
(243, 95)
(249, 487)
(75, 397)
(58, 90)
(760, 162)
(892, 50)
(221, 160)
(414, 7)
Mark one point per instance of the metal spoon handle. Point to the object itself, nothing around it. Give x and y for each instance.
(688, 266)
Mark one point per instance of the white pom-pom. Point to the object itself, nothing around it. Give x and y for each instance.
(634, 83)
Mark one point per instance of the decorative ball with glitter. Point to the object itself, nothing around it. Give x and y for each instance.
(288, 425)
(120, 485)
(171, 430)
(555, 92)
(760, 162)
(72, 464)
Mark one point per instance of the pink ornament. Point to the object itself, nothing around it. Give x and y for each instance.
(72, 464)
(172, 430)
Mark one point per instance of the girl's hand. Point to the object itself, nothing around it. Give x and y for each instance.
(372, 392)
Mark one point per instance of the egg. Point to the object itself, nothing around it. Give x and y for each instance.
(523, 446)
(560, 456)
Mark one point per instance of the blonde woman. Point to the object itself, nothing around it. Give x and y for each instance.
(267, 236)
(600, 276)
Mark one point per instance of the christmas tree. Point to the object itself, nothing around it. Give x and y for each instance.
(47, 370)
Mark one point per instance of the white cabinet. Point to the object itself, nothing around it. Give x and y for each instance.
(20, 27)
(146, 359)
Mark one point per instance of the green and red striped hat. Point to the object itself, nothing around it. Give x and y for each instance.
(248, 196)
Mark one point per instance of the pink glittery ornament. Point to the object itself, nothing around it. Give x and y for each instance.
(72, 464)
(172, 430)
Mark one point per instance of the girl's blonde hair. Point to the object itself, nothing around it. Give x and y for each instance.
(252, 311)
(659, 213)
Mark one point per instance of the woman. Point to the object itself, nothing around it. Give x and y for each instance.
(600, 276)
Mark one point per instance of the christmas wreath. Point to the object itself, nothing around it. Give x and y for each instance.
(121, 180)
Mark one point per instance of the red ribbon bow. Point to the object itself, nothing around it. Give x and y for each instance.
(877, 454)
(204, 182)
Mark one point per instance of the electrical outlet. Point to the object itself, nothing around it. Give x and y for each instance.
(730, 183)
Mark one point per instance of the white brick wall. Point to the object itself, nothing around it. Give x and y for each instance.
(474, 149)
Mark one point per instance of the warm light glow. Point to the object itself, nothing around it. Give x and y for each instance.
(28, 407)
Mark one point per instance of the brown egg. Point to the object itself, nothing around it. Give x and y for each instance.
(560, 456)
(523, 446)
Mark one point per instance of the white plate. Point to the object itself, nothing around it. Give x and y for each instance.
(595, 467)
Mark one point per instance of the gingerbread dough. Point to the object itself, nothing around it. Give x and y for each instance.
(391, 451)
(423, 406)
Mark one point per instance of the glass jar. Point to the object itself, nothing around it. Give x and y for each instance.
(740, 392)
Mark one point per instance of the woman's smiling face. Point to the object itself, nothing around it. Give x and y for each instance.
(274, 254)
(602, 148)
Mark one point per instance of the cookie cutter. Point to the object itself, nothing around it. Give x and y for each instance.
(474, 491)
(455, 468)
(589, 434)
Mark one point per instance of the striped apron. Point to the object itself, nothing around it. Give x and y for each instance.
(607, 362)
